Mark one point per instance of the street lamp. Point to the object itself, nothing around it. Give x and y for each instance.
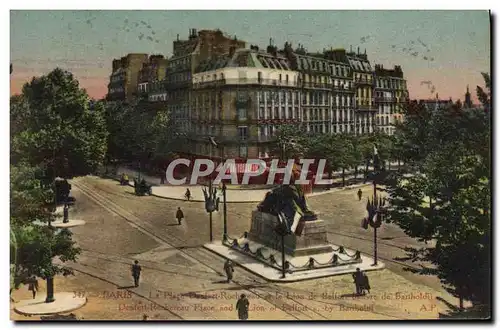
(376, 207)
(210, 196)
(282, 230)
(225, 210)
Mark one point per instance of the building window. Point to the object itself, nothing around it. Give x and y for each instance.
(243, 151)
(242, 114)
(243, 132)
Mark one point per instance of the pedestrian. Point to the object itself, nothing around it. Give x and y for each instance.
(365, 283)
(33, 286)
(360, 193)
(188, 194)
(179, 215)
(136, 272)
(66, 213)
(242, 307)
(162, 178)
(229, 269)
(357, 276)
(217, 201)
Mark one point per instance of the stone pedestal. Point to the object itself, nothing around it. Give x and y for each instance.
(312, 241)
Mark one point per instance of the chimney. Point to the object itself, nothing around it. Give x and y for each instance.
(270, 41)
(177, 37)
(358, 50)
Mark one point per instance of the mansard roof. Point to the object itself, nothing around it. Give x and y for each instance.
(245, 58)
(359, 64)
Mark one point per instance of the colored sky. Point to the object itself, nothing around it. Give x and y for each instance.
(85, 42)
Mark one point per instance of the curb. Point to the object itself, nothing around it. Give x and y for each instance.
(182, 199)
(247, 201)
(287, 279)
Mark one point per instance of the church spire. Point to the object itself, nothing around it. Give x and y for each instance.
(468, 100)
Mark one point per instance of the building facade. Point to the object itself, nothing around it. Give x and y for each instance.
(390, 95)
(124, 77)
(151, 78)
(364, 119)
(241, 99)
(188, 54)
(213, 86)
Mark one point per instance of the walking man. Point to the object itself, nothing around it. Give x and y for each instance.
(33, 286)
(179, 215)
(358, 279)
(229, 269)
(242, 307)
(365, 283)
(136, 272)
(66, 213)
(360, 193)
(187, 194)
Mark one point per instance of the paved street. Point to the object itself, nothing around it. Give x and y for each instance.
(182, 280)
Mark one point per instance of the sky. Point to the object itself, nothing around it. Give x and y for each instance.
(439, 51)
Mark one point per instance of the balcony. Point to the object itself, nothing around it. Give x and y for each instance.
(244, 81)
(276, 121)
(206, 84)
(177, 84)
(363, 81)
(341, 89)
(366, 108)
(243, 101)
(316, 85)
(385, 99)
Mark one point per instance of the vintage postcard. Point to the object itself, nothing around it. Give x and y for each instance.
(250, 165)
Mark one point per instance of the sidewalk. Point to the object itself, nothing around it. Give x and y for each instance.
(232, 195)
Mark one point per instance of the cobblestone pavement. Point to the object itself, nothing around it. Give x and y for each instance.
(182, 280)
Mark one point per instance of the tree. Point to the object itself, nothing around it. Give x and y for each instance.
(33, 244)
(136, 135)
(55, 126)
(447, 199)
(289, 143)
(323, 146)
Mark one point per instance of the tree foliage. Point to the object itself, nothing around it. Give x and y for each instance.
(447, 198)
(135, 134)
(55, 126)
(55, 131)
(289, 143)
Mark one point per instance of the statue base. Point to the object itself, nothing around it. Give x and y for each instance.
(313, 239)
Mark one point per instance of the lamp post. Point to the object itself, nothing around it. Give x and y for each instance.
(283, 270)
(376, 207)
(210, 197)
(225, 210)
(283, 231)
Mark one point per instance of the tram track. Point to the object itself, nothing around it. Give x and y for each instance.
(110, 206)
(349, 234)
(249, 281)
